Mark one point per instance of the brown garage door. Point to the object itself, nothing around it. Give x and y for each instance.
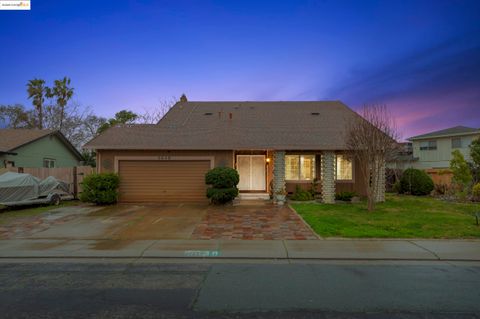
(163, 181)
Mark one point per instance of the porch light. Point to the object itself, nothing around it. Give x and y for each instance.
(268, 159)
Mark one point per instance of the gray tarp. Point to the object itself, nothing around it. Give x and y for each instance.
(15, 187)
(51, 183)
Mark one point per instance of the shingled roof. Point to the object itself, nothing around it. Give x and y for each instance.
(456, 130)
(237, 125)
(11, 139)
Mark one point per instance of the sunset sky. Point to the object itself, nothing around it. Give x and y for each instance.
(421, 59)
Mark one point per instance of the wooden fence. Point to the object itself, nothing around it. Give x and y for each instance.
(71, 175)
(440, 176)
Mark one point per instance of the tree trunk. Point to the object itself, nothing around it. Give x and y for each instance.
(40, 117)
(62, 112)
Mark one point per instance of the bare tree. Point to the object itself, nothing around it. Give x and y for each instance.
(371, 140)
(155, 115)
(16, 116)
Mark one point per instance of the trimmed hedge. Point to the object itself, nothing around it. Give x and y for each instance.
(101, 189)
(416, 182)
(222, 195)
(223, 182)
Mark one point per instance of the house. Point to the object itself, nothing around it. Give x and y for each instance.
(433, 151)
(36, 148)
(272, 145)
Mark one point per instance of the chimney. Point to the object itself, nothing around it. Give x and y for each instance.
(183, 98)
(230, 115)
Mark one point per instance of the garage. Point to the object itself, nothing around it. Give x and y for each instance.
(163, 181)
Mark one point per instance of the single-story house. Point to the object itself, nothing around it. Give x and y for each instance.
(36, 148)
(271, 144)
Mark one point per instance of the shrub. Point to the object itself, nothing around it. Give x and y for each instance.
(476, 192)
(397, 187)
(100, 189)
(345, 196)
(301, 194)
(222, 195)
(223, 184)
(416, 182)
(461, 172)
(222, 177)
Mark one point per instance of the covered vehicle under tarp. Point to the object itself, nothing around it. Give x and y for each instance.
(17, 187)
(50, 184)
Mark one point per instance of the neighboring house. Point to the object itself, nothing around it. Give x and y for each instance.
(433, 151)
(271, 144)
(36, 148)
(403, 158)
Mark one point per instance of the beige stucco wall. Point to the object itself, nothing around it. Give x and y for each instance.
(106, 158)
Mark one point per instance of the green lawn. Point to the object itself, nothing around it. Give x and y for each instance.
(398, 217)
(7, 215)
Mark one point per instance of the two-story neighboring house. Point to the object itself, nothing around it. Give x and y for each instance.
(433, 150)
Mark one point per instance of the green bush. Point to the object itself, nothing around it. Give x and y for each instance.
(476, 192)
(301, 194)
(222, 195)
(416, 182)
(345, 196)
(100, 189)
(222, 177)
(397, 187)
(223, 184)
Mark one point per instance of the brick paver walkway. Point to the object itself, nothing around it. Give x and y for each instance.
(252, 222)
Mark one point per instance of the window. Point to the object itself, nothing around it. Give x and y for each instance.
(344, 168)
(299, 167)
(457, 142)
(48, 163)
(428, 145)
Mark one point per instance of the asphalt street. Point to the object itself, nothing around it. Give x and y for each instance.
(156, 289)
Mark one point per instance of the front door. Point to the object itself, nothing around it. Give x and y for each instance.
(251, 169)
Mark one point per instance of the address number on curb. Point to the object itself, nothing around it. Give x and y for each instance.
(201, 253)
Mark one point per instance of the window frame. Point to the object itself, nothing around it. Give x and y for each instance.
(49, 160)
(352, 180)
(429, 146)
(457, 139)
(299, 180)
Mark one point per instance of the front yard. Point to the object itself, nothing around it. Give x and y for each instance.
(399, 217)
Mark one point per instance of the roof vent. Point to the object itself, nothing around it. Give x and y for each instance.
(208, 113)
(315, 113)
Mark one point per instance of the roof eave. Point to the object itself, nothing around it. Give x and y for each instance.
(421, 137)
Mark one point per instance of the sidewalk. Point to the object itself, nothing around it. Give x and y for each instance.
(332, 249)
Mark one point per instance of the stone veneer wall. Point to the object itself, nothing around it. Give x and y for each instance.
(380, 194)
(278, 171)
(328, 177)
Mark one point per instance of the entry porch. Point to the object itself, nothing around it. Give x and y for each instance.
(268, 173)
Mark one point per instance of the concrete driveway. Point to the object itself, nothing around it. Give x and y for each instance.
(125, 222)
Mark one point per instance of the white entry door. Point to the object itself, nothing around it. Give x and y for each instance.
(251, 169)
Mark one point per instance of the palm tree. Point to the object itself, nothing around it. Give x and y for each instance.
(63, 92)
(36, 91)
